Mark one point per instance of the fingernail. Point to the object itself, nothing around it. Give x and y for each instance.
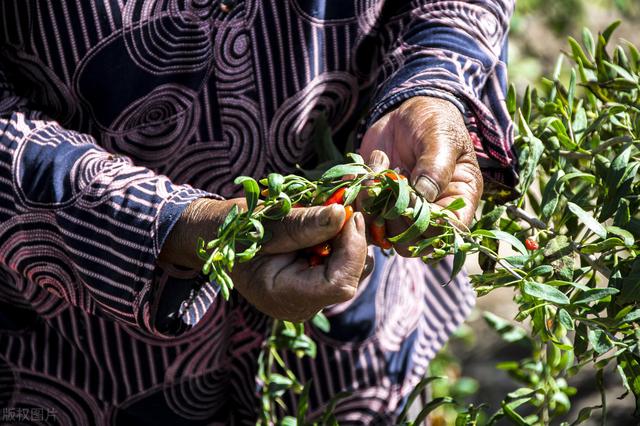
(427, 187)
(359, 220)
(328, 214)
(377, 160)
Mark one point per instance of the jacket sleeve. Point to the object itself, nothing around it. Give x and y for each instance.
(85, 224)
(454, 50)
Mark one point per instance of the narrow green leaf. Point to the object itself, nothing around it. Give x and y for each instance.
(401, 189)
(321, 322)
(417, 390)
(342, 170)
(588, 220)
(275, 182)
(589, 43)
(456, 204)
(599, 340)
(356, 158)
(595, 294)
(251, 191)
(430, 406)
(351, 193)
(417, 228)
(545, 292)
(503, 236)
(565, 319)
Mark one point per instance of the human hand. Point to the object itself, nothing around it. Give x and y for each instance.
(278, 281)
(426, 139)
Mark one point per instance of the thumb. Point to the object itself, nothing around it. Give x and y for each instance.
(433, 170)
(304, 227)
(439, 146)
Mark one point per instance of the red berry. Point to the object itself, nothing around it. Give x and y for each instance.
(531, 244)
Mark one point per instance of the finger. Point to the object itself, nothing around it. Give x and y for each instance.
(467, 184)
(435, 165)
(376, 137)
(369, 265)
(304, 227)
(378, 161)
(396, 227)
(347, 261)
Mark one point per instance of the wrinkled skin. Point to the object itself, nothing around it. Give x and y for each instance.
(278, 281)
(427, 140)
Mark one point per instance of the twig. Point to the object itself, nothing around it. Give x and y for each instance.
(521, 214)
(506, 266)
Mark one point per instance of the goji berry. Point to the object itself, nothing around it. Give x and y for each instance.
(322, 249)
(336, 198)
(378, 230)
(395, 176)
(531, 244)
(348, 212)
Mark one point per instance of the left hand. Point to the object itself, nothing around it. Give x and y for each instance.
(426, 138)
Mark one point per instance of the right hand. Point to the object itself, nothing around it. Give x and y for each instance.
(279, 282)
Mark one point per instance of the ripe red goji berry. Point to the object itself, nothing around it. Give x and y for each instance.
(336, 198)
(348, 212)
(378, 230)
(531, 244)
(322, 249)
(394, 176)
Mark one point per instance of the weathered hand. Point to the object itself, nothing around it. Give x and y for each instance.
(278, 281)
(426, 138)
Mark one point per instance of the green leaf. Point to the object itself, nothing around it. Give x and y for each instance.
(618, 168)
(231, 217)
(456, 204)
(401, 189)
(587, 40)
(321, 322)
(351, 193)
(502, 236)
(594, 294)
(508, 331)
(565, 319)
(356, 158)
(540, 270)
(588, 220)
(510, 412)
(415, 392)
(602, 246)
(343, 169)
(599, 340)
(578, 53)
(627, 236)
(251, 191)
(585, 414)
(630, 365)
(417, 228)
(288, 421)
(551, 195)
(511, 99)
(430, 406)
(303, 403)
(459, 259)
(275, 182)
(572, 90)
(606, 34)
(545, 292)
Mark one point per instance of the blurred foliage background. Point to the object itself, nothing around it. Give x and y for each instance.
(539, 31)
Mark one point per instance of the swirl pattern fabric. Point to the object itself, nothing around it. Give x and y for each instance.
(115, 115)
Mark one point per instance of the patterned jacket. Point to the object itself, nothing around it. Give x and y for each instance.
(115, 114)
